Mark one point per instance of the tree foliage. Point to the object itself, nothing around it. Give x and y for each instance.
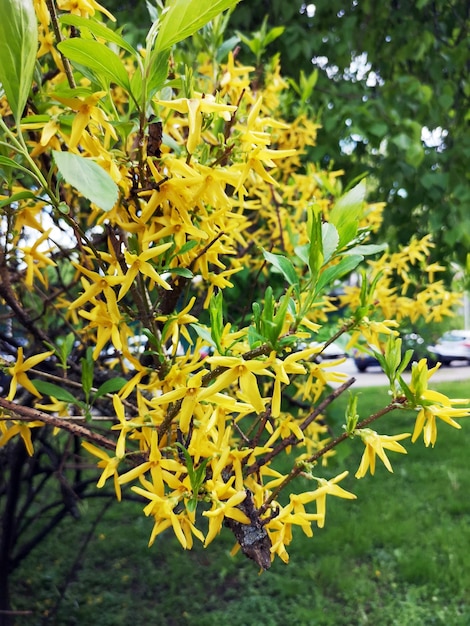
(168, 260)
(384, 72)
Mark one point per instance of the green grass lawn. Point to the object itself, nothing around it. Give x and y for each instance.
(399, 554)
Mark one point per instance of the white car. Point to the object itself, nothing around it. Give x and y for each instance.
(452, 346)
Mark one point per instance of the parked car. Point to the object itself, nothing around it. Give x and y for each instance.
(452, 346)
(364, 360)
(410, 341)
(332, 351)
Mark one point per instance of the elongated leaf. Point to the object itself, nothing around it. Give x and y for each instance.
(92, 181)
(110, 386)
(347, 212)
(97, 57)
(21, 195)
(282, 264)
(157, 72)
(366, 249)
(54, 391)
(182, 18)
(346, 265)
(7, 162)
(330, 240)
(18, 47)
(98, 29)
(315, 251)
(87, 372)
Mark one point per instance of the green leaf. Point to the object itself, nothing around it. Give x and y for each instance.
(196, 477)
(367, 249)
(18, 47)
(279, 318)
(273, 34)
(54, 391)
(347, 212)
(315, 251)
(180, 271)
(98, 29)
(21, 195)
(284, 265)
(204, 333)
(217, 320)
(87, 372)
(97, 57)
(91, 180)
(157, 71)
(109, 386)
(330, 239)
(346, 265)
(182, 18)
(302, 252)
(7, 162)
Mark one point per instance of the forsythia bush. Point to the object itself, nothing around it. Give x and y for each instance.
(169, 267)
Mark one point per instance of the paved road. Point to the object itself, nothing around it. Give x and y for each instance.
(374, 377)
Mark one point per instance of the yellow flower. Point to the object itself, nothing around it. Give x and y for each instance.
(99, 284)
(87, 111)
(326, 487)
(376, 445)
(22, 429)
(109, 465)
(284, 367)
(195, 107)
(36, 261)
(105, 317)
(85, 8)
(139, 264)
(432, 404)
(243, 371)
(226, 509)
(18, 372)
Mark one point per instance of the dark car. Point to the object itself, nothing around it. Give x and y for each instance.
(410, 341)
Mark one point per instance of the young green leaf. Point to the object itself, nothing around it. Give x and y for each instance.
(112, 385)
(347, 212)
(284, 265)
(18, 47)
(21, 195)
(7, 162)
(217, 320)
(97, 57)
(182, 18)
(330, 239)
(315, 250)
(196, 476)
(330, 274)
(91, 180)
(98, 29)
(87, 372)
(157, 71)
(54, 391)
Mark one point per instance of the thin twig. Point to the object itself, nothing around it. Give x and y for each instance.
(59, 38)
(298, 469)
(27, 414)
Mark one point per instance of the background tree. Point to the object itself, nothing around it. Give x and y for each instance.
(392, 98)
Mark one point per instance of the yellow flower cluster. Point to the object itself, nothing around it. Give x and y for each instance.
(205, 401)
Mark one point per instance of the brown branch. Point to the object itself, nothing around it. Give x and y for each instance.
(292, 440)
(59, 38)
(27, 414)
(298, 469)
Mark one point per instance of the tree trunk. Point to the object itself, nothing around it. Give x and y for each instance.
(17, 457)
